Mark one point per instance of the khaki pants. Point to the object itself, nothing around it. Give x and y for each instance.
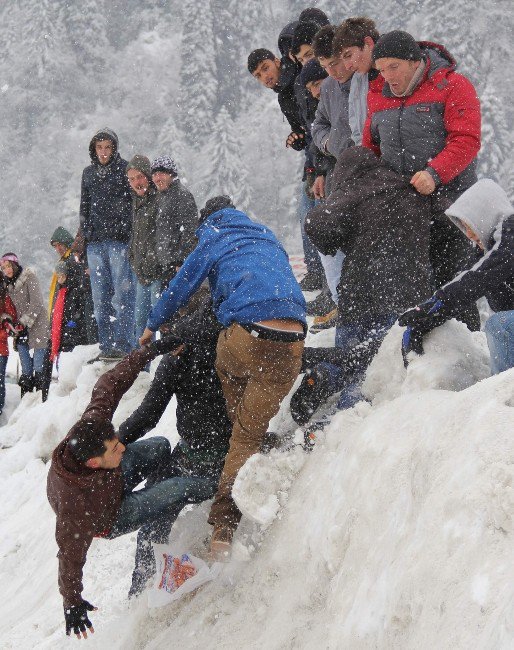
(256, 375)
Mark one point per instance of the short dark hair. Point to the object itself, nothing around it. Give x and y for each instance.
(353, 31)
(87, 437)
(304, 34)
(314, 15)
(322, 43)
(258, 56)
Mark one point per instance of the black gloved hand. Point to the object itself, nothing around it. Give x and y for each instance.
(298, 143)
(166, 344)
(412, 341)
(428, 315)
(77, 619)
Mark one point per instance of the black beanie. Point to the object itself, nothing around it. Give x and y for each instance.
(312, 71)
(397, 45)
(215, 204)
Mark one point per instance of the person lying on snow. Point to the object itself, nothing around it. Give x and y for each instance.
(485, 214)
(93, 475)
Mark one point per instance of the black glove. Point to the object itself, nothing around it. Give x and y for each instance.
(412, 341)
(426, 316)
(166, 344)
(299, 143)
(77, 620)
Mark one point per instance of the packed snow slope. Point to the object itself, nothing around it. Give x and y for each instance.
(395, 532)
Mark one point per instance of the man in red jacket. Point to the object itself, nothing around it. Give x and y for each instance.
(426, 125)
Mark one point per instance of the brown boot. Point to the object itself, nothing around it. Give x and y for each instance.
(221, 543)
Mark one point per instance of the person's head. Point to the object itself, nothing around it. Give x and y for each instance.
(139, 174)
(397, 56)
(264, 66)
(312, 76)
(9, 264)
(301, 47)
(313, 15)
(354, 41)
(61, 241)
(214, 205)
(103, 146)
(322, 47)
(164, 172)
(95, 444)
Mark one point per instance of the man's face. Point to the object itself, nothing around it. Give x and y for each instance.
(305, 54)
(59, 248)
(335, 68)
(7, 269)
(162, 180)
(114, 451)
(314, 87)
(267, 72)
(358, 59)
(104, 150)
(138, 181)
(397, 73)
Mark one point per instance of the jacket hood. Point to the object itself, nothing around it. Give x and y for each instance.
(62, 236)
(228, 218)
(358, 161)
(285, 38)
(69, 469)
(482, 207)
(438, 56)
(103, 134)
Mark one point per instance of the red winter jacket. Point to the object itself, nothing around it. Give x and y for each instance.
(436, 128)
(7, 310)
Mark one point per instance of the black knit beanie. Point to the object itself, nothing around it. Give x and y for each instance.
(397, 45)
(312, 71)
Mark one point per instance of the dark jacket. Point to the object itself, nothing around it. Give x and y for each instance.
(105, 200)
(486, 209)
(436, 128)
(383, 226)
(86, 501)
(286, 91)
(202, 421)
(73, 326)
(143, 245)
(176, 223)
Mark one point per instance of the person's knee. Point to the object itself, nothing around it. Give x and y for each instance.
(498, 323)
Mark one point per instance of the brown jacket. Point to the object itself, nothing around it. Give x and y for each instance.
(28, 300)
(85, 500)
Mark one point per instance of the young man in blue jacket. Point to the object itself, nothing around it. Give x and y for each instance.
(261, 307)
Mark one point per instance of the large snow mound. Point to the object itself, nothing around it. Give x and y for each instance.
(395, 532)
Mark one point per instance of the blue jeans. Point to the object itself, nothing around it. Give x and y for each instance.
(347, 337)
(146, 298)
(31, 363)
(3, 366)
(499, 330)
(310, 252)
(113, 289)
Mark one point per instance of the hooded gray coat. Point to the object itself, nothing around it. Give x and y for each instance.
(28, 300)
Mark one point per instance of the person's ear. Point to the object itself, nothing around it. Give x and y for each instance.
(369, 42)
(93, 463)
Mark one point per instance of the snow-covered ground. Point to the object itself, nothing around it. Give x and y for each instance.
(395, 532)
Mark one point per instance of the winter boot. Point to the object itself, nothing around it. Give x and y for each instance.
(312, 282)
(314, 391)
(26, 384)
(221, 543)
(321, 305)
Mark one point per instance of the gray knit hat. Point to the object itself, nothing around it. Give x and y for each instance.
(142, 164)
(397, 45)
(165, 164)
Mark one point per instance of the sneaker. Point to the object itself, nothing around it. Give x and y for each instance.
(221, 543)
(321, 305)
(313, 391)
(324, 322)
(112, 355)
(312, 282)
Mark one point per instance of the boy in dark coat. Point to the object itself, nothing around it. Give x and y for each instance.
(486, 216)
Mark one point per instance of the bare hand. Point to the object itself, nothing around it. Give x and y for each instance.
(292, 137)
(318, 188)
(423, 182)
(146, 337)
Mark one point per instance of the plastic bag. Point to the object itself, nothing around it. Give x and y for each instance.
(177, 574)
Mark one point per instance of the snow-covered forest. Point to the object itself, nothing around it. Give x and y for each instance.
(396, 531)
(170, 76)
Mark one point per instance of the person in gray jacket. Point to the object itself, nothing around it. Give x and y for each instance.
(143, 246)
(177, 217)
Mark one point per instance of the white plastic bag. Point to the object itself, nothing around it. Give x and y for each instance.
(177, 573)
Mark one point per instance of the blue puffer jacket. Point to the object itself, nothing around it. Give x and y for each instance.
(248, 271)
(106, 202)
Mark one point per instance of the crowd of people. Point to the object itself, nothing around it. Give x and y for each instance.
(395, 227)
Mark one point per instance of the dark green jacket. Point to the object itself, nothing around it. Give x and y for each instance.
(142, 248)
